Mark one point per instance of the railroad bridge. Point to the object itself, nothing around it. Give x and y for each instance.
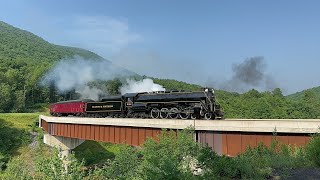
(228, 137)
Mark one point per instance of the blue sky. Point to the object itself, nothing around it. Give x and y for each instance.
(193, 41)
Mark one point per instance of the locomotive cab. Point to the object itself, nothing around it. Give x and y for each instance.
(214, 110)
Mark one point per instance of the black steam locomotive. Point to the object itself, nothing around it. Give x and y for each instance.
(160, 104)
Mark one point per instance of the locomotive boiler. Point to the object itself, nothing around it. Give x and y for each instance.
(160, 104)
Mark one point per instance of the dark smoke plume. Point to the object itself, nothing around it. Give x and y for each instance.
(250, 72)
(248, 75)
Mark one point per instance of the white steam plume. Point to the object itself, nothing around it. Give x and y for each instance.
(145, 85)
(89, 92)
(76, 73)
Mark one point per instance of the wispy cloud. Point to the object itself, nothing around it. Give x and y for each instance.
(157, 64)
(102, 34)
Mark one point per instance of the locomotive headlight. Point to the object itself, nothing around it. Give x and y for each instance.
(212, 91)
(206, 90)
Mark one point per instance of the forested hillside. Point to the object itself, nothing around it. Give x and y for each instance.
(24, 57)
(268, 105)
(176, 85)
(300, 95)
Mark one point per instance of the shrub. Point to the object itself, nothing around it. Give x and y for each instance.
(124, 166)
(55, 167)
(223, 167)
(17, 169)
(170, 156)
(313, 150)
(278, 157)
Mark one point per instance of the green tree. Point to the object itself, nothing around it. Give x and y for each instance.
(113, 86)
(169, 158)
(124, 166)
(54, 167)
(19, 103)
(5, 96)
(277, 93)
(312, 104)
(313, 150)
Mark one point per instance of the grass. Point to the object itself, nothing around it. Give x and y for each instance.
(14, 134)
(92, 152)
(20, 120)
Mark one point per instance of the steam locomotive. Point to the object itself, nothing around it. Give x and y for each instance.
(160, 104)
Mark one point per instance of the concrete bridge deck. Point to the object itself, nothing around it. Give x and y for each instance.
(236, 125)
(228, 136)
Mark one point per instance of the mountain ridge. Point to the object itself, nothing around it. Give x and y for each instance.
(18, 41)
(24, 59)
(297, 96)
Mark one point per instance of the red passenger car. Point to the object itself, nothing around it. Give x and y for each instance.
(65, 108)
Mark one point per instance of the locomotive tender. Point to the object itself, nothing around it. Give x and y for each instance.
(160, 104)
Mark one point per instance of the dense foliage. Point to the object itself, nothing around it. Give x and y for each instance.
(268, 105)
(313, 150)
(299, 95)
(173, 155)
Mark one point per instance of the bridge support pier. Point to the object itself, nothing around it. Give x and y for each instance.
(65, 144)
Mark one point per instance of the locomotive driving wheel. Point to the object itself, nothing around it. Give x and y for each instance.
(209, 116)
(164, 113)
(154, 113)
(194, 116)
(174, 113)
(184, 115)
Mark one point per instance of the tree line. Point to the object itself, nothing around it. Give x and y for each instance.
(269, 105)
